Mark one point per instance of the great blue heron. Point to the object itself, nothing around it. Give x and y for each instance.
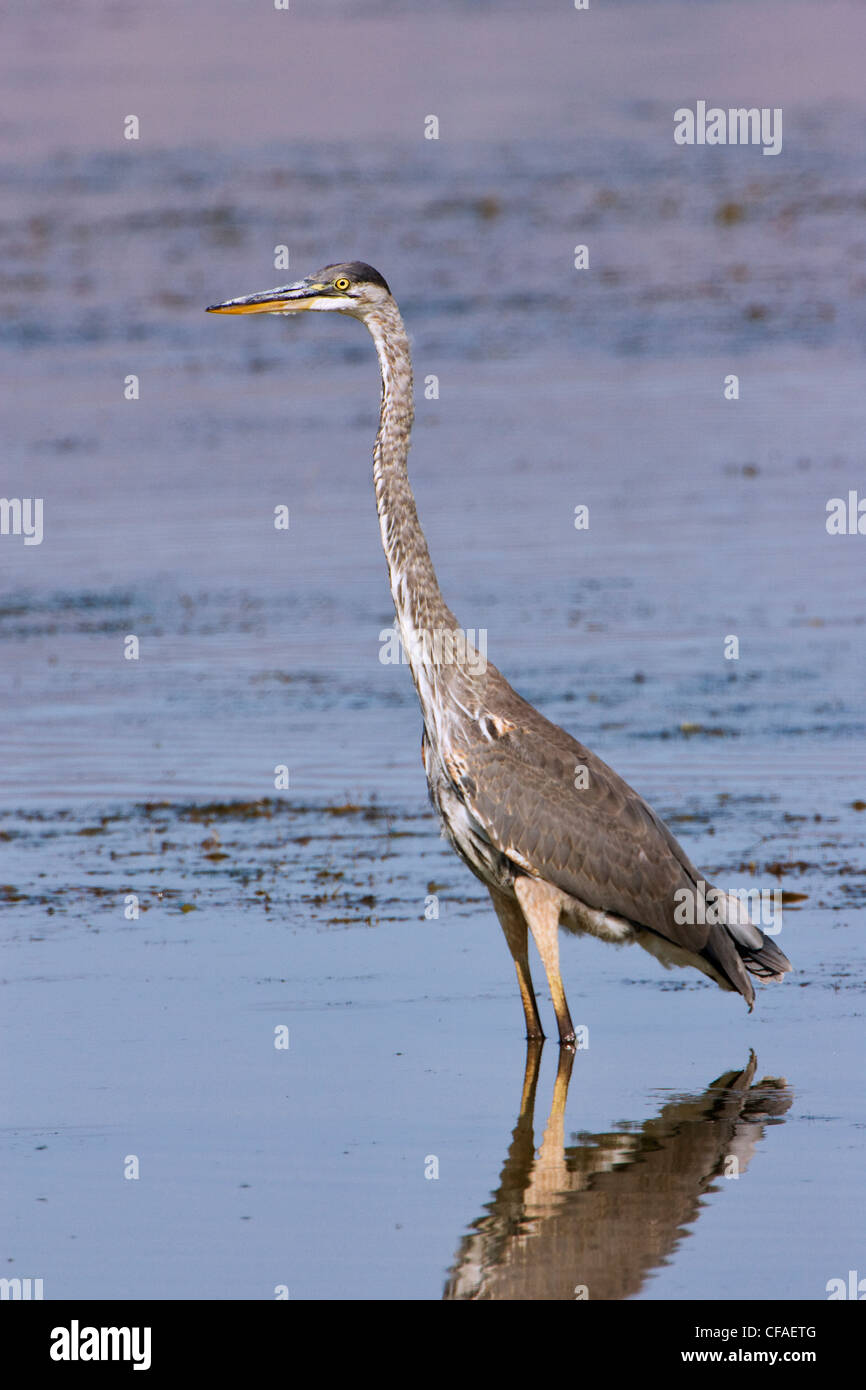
(557, 837)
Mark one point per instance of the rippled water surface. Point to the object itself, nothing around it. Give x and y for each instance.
(312, 1166)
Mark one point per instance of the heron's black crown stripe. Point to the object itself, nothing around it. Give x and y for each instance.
(359, 270)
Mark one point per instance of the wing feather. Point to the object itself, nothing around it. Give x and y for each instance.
(600, 843)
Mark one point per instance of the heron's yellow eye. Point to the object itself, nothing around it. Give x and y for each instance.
(342, 283)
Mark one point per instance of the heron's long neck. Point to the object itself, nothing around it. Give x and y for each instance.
(418, 601)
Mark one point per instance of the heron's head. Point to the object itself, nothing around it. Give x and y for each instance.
(350, 288)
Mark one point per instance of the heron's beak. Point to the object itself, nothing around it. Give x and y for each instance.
(287, 299)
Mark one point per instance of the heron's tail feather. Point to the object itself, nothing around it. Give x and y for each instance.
(758, 953)
(737, 945)
(768, 963)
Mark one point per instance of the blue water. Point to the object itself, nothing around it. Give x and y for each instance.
(153, 1036)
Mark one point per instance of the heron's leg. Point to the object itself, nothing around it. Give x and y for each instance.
(541, 904)
(514, 926)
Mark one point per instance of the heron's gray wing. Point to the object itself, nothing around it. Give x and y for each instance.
(520, 776)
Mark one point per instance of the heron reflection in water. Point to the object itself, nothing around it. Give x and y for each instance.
(594, 1219)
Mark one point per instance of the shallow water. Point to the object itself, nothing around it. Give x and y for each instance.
(154, 1036)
